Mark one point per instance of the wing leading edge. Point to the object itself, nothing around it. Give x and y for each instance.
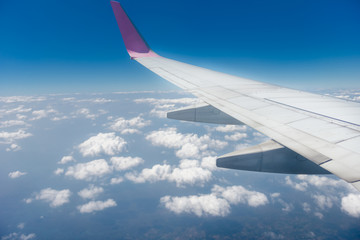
(322, 129)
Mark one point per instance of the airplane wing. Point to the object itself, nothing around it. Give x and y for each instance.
(302, 126)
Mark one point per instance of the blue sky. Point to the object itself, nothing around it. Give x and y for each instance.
(75, 46)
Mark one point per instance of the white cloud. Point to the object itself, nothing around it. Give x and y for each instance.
(21, 225)
(199, 205)
(275, 195)
(156, 173)
(209, 162)
(101, 100)
(286, 207)
(162, 106)
(125, 163)
(306, 207)
(217, 203)
(18, 236)
(129, 126)
(116, 180)
(9, 137)
(11, 123)
(350, 204)
(89, 170)
(39, 114)
(319, 215)
(154, 101)
(91, 192)
(230, 128)
(56, 198)
(17, 111)
(321, 181)
(66, 159)
(106, 143)
(272, 235)
(302, 186)
(13, 147)
(238, 194)
(188, 145)
(59, 171)
(236, 136)
(96, 206)
(14, 99)
(16, 174)
(190, 175)
(189, 172)
(86, 113)
(322, 201)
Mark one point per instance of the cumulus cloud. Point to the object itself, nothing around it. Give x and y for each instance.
(129, 126)
(85, 112)
(156, 173)
(90, 192)
(230, 128)
(306, 207)
(106, 143)
(198, 205)
(59, 171)
(272, 235)
(18, 236)
(13, 147)
(162, 106)
(350, 204)
(187, 101)
(125, 163)
(10, 137)
(217, 203)
(54, 197)
(116, 180)
(209, 162)
(187, 145)
(320, 182)
(319, 215)
(236, 136)
(322, 201)
(302, 186)
(334, 192)
(14, 99)
(239, 194)
(16, 174)
(21, 225)
(11, 123)
(17, 111)
(188, 172)
(66, 159)
(93, 206)
(39, 114)
(190, 175)
(89, 170)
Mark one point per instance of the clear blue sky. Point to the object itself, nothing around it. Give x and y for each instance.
(75, 46)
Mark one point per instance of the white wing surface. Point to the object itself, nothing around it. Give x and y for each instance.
(322, 129)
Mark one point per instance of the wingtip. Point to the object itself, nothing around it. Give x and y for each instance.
(134, 43)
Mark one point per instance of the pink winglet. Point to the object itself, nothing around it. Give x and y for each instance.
(134, 43)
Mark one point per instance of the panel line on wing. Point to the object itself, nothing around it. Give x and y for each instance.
(318, 114)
